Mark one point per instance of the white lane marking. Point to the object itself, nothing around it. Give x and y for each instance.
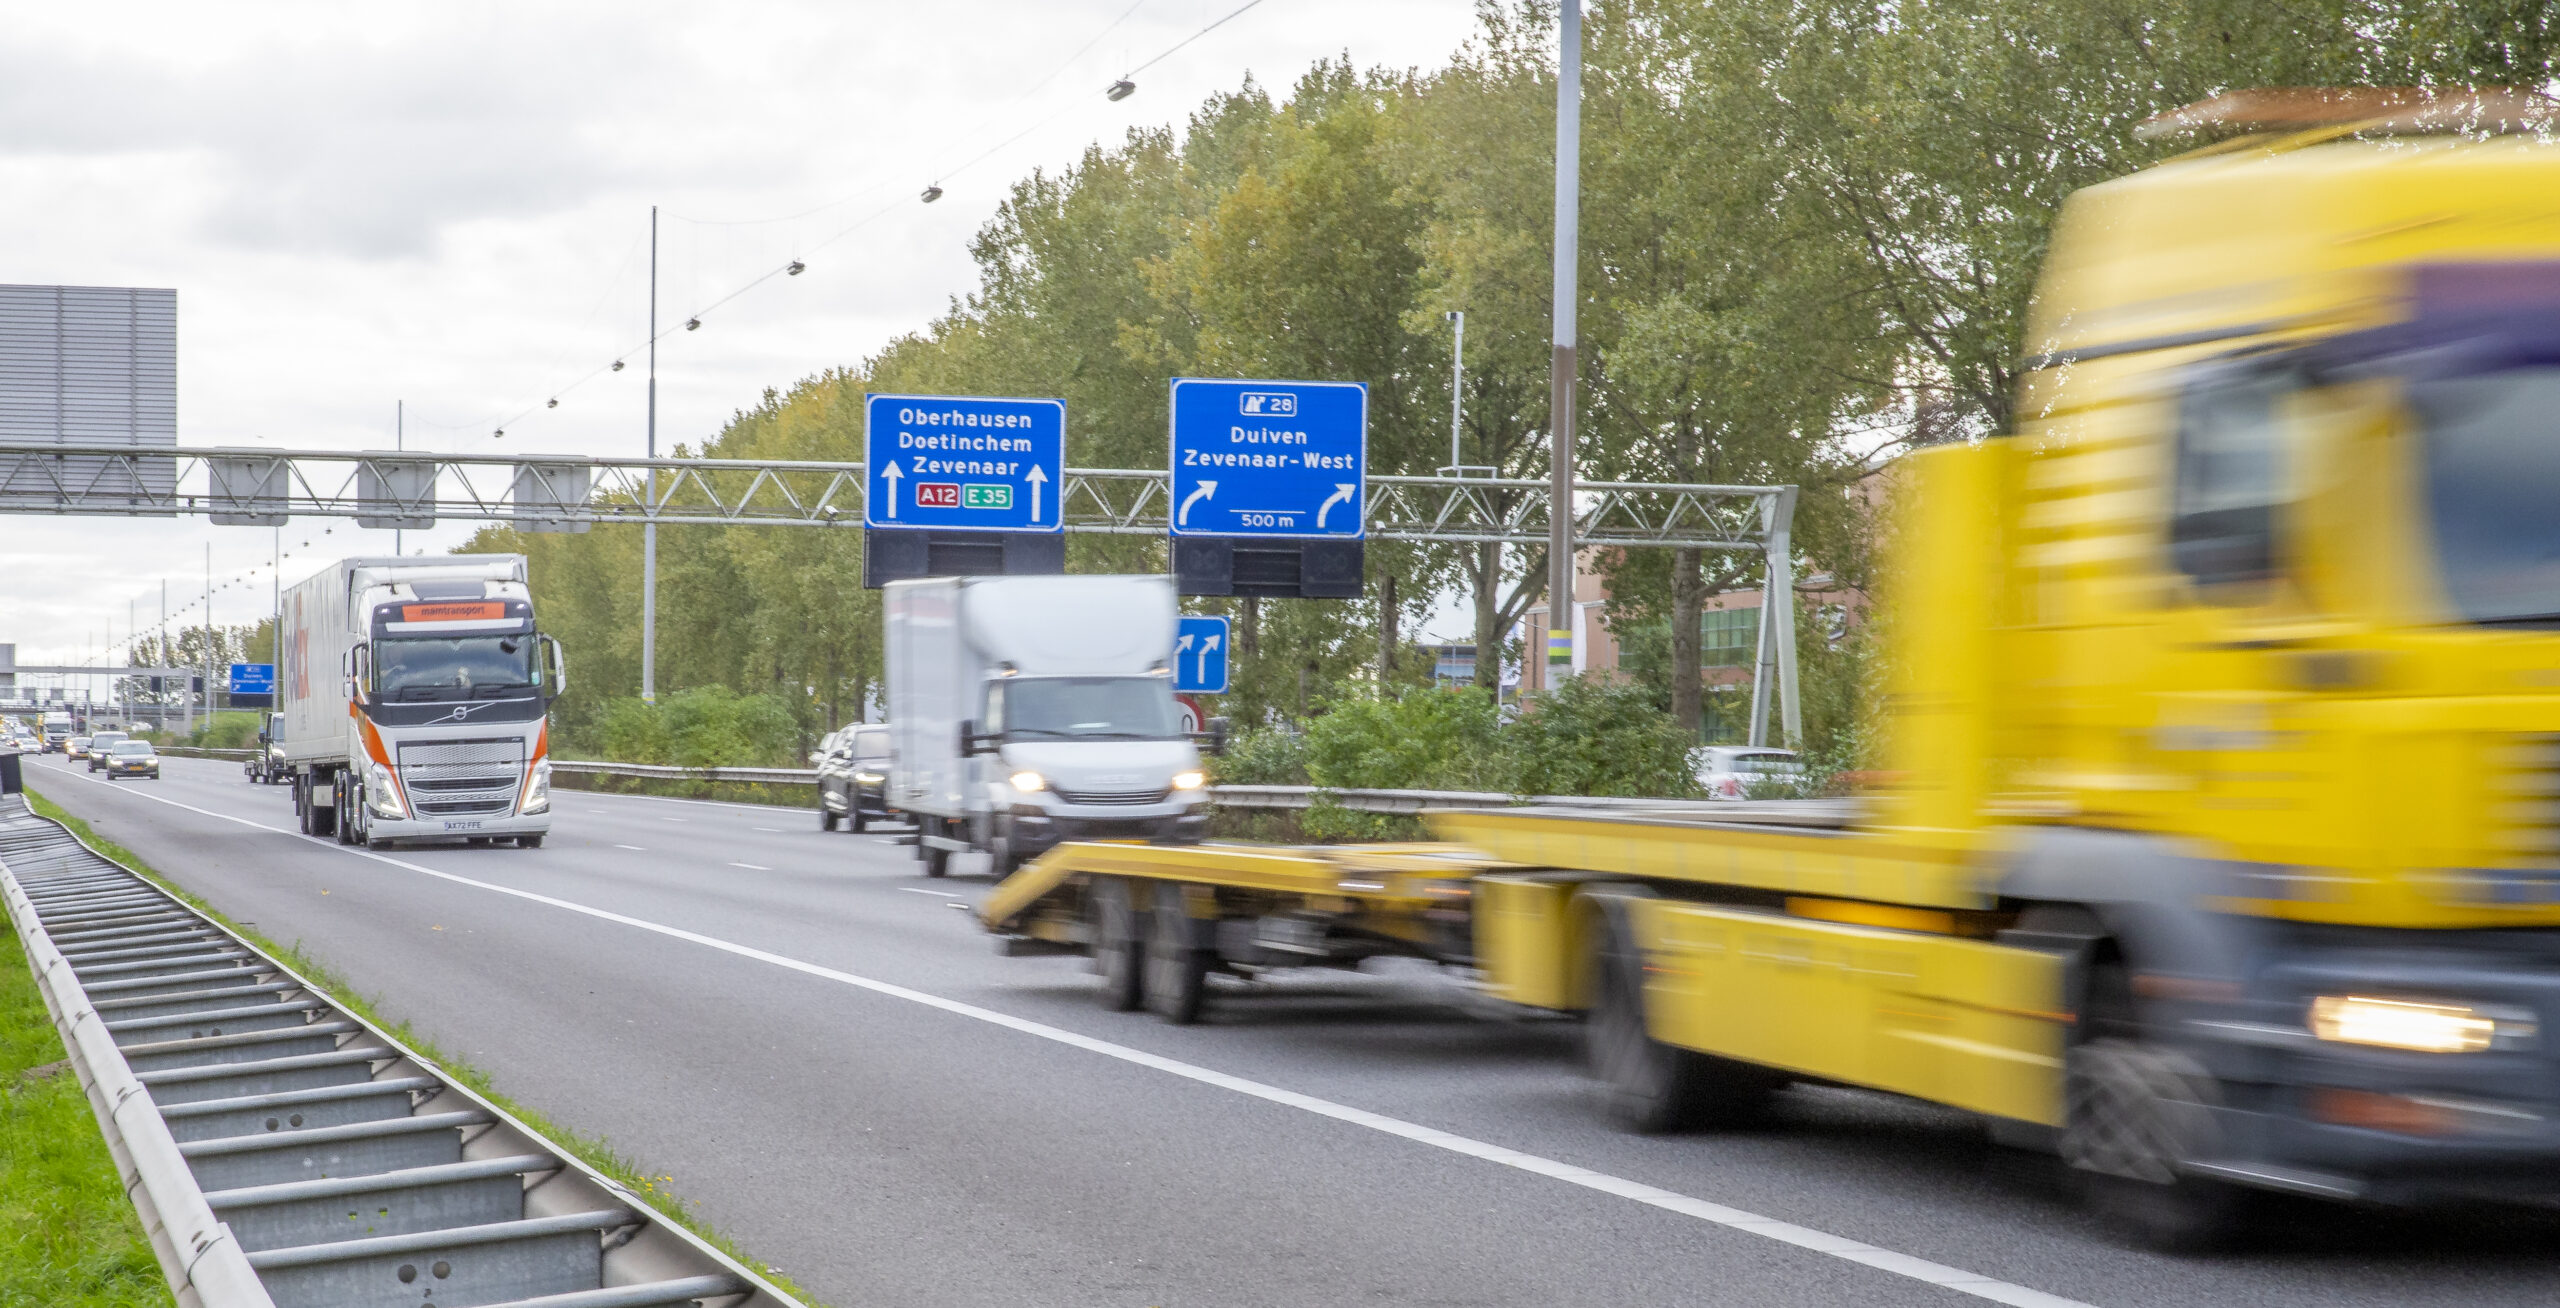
(752, 867)
(673, 819)
(919, 890)
(633, 848)
(775, 830)
(1750, 1223)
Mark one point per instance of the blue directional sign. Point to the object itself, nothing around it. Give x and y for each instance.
(1269, 458)
(1200, 656)
(964, 462)
(253, 678)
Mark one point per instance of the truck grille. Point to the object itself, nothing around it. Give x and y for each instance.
(1111, 796)
(462, 778)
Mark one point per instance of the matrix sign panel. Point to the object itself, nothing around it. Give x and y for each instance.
(253, 678)
(1269, 458)
(964, 462)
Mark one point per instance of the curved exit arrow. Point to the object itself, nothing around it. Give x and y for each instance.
(1207, 489)
(1342, 493)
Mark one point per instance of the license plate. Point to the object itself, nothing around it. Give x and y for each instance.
(461, 826)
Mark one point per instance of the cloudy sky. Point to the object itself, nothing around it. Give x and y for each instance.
(447, 205)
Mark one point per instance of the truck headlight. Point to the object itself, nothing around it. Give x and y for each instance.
(1029, 782)
(1188, 780)
(381, 798)
(2404, 1024)
(537, 792)
(869, 778)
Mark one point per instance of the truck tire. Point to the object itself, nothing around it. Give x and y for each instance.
(529, 842)
(826, 815)
(316, 816)
(937, 862)
(1650, 1086)
(854, 821)
(1119, 945)
(2136, 1112)
(344, 809)
(1177, 981)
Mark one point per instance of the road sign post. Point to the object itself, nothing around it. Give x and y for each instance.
(1269, 490)
(963, 485)
(1200, 649)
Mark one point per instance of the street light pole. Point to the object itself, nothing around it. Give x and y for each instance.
(649, 530)
(1561, 378)
(399, 441)
(1457, 384)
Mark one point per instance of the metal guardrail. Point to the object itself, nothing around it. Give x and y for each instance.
(286, 1153)
(1257, 797)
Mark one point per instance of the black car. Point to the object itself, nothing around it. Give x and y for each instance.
(853, 776)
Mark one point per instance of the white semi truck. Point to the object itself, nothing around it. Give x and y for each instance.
(1025, 711)
(416, 695)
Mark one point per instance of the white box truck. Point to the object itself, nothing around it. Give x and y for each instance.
(416, 696)
(1025, 711)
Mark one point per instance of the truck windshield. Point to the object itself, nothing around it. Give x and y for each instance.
(462, 667)
(2492, 457)
(1085, 708)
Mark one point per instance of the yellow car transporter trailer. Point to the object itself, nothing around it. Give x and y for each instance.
(2225, 702)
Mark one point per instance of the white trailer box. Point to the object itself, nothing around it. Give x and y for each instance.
(1029, 710)
(415, 695)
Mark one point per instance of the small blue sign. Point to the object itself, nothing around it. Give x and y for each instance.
(253, 678)
(964, 462)
(1200, 656)
(1269, 458)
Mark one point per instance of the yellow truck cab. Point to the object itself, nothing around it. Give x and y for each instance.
(2224, 848)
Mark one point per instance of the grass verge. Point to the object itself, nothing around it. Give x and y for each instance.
(68, 1235)
(653, 1188)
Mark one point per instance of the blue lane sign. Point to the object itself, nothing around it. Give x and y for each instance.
(253, 678)
(964, 461)
(1200, 656)
(1269, 458)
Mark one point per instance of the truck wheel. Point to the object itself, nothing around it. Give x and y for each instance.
(345, 809)
(316, 816)
(854, 820)
(1650, 1086)
(1177, 968)
(937, 862)
(529, 842)
(1119, 945)
(2136, 1112)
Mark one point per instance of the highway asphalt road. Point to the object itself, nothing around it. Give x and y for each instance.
(797, 1028)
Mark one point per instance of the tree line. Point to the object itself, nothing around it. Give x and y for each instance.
(1810, 230)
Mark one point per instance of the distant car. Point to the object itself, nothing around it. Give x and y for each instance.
(76, 747)
(853, 777)
(1729, 771)
(132, 758)
(99, 744)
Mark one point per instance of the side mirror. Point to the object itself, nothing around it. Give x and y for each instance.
(815, 757)
(262, 738)
(973, 743)
(559, 661)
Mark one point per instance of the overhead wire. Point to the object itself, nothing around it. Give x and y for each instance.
(795, 266)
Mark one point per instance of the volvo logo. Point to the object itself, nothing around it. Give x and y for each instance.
(460, 711)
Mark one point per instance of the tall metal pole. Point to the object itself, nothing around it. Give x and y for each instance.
(649, 530)
(399, 441)
(1561, 378)
(208, 633)
(1457, 383)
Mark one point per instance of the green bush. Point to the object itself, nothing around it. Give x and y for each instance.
(1424, 739)
(227, 730)
(1262, 756)
(1595, 737)
(706, 727)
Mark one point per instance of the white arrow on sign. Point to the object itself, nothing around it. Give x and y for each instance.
(1036, 477)
(1207, 489)
(1342, 493)
(1181, 644)
(891, 474)
(1208, 646)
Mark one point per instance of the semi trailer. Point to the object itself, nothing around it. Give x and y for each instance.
(416, 694)
(2219, 845)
